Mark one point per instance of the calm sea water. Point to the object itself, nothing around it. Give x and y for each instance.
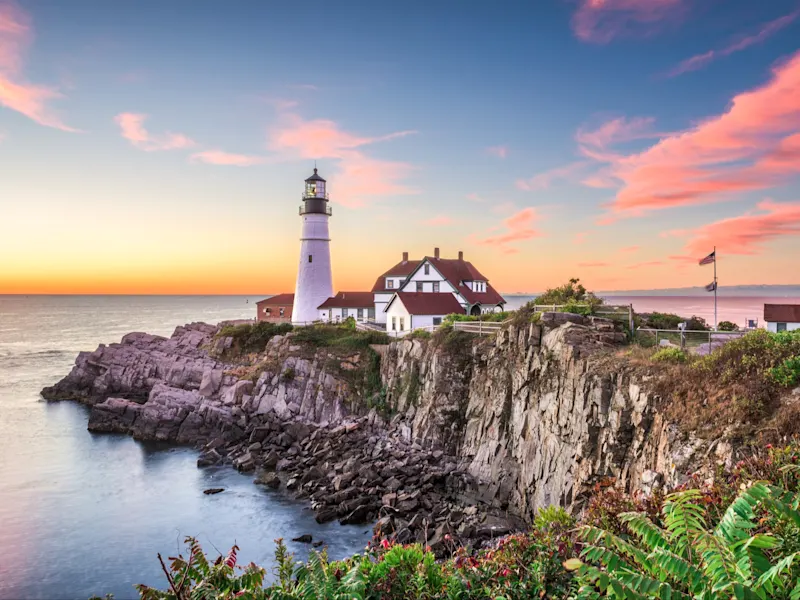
(84, 514)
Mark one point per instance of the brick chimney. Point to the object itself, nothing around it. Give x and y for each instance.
(460, 255)
(435, 253)
(405, 256)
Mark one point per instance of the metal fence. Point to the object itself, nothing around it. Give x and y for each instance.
(686, 339)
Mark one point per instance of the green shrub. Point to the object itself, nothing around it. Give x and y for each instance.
(339, 336)
(787, 373)
(671, 355)
(495, 317)
(572, 292)
(553, 516)
(727, 326)
(657, 320)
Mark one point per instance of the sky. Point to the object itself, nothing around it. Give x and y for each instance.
(156, 146)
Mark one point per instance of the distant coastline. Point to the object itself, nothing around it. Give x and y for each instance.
(772, 291)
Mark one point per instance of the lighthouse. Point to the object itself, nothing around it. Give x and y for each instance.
(314, 281)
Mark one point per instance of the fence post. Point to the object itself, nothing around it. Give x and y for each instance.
(630, 320)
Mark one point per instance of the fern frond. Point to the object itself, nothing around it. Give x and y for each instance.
(596, 536)
(684, 518)
(678, 569)
(641, 525)
(770, 579)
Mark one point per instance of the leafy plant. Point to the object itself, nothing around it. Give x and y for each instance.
(683, 558)
(253, 337)
(727, 326)
(572, 292)
(671, 355)
(787, 373)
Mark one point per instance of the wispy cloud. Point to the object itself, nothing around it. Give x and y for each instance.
(699, 61)
(519, 227)
(218, 157)
(545, 179)
(16, 93)
(438, 221)
(646, 265)
(745, 234)
(360, 178)
(629, 250)
(132, 128)
(600, 21)
(498, 151)
(593, 265)
(474, 197)
(753, 145)
(580, 237)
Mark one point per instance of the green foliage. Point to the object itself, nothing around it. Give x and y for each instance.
(573, 292)
(658, 320)
(670, 355)
(787, 373)
(339, 336)
(254, 337)
(495, 317)
(288, 374)
(727, 326)
(419, 334)
(684, 557)
(553, 516)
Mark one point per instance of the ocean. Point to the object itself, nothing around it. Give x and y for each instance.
(84, 514)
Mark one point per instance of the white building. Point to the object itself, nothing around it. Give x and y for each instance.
(314, 281)
(359, 305)
(782, 317)
(408, 311)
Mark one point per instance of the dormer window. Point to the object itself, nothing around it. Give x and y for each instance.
(427, 269)
(389, 284)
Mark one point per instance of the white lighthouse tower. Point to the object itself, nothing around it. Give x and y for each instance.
(314, 281)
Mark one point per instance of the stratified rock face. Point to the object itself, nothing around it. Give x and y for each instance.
(535, 418)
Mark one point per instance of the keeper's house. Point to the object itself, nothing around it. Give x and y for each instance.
(782, 317)
(277, 309)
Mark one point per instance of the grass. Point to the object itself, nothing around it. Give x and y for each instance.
(337, 336)
(249, 338)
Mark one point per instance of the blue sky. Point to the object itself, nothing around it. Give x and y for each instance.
(484, 98)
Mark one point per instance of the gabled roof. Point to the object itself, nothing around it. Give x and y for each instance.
(350, 300)
(456, 271)
(428, 303)
(282, 299)
(782, 313)
(401, 269)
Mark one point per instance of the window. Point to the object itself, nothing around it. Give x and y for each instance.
(419, 286)
(360, 313)
(394, 323)
(427, 269)
(309, 258)
(389, 284)
(437, 321)
(781, 327)
(402, 323)
(267, 311)
(435, 287)
(280, 311)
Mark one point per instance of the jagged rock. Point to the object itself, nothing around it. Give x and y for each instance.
(211, 491)
(244, 462)
(359, 515)
(268, 479)
(303, 539)
(209, 458)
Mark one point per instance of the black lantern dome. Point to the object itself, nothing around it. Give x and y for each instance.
(315, 197)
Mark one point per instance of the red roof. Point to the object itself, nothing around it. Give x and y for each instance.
(456, 271)
(401, 269)
(782, 313)
(350, 300)
(282, 299)
(428, 303)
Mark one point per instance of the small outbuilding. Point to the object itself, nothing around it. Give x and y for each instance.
(277, 309)
(359, 305)
(782, 317)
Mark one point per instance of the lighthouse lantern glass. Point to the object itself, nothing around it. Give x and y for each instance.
(321, 189)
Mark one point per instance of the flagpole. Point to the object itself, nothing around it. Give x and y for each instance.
(715, 288)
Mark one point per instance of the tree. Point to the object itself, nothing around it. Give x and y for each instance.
(727, 326)
(572, 292)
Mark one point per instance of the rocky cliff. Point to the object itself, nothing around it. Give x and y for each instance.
(541, 412)
(454, 437)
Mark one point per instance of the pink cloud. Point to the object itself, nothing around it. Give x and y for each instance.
(600, 21)
(519, 227)
(361, 177)
(629, 250)
(580, 237)
(745, 234)
(547, 178)
(438, 221)
(132, 126)
(593, 265)
(751, 146)
(218, 157)
(498, 151)
(15, 93)
(645, 265)
(701, 60)
(474, 197)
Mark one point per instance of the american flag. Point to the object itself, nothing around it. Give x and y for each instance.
(711, 286)
(709, 259)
